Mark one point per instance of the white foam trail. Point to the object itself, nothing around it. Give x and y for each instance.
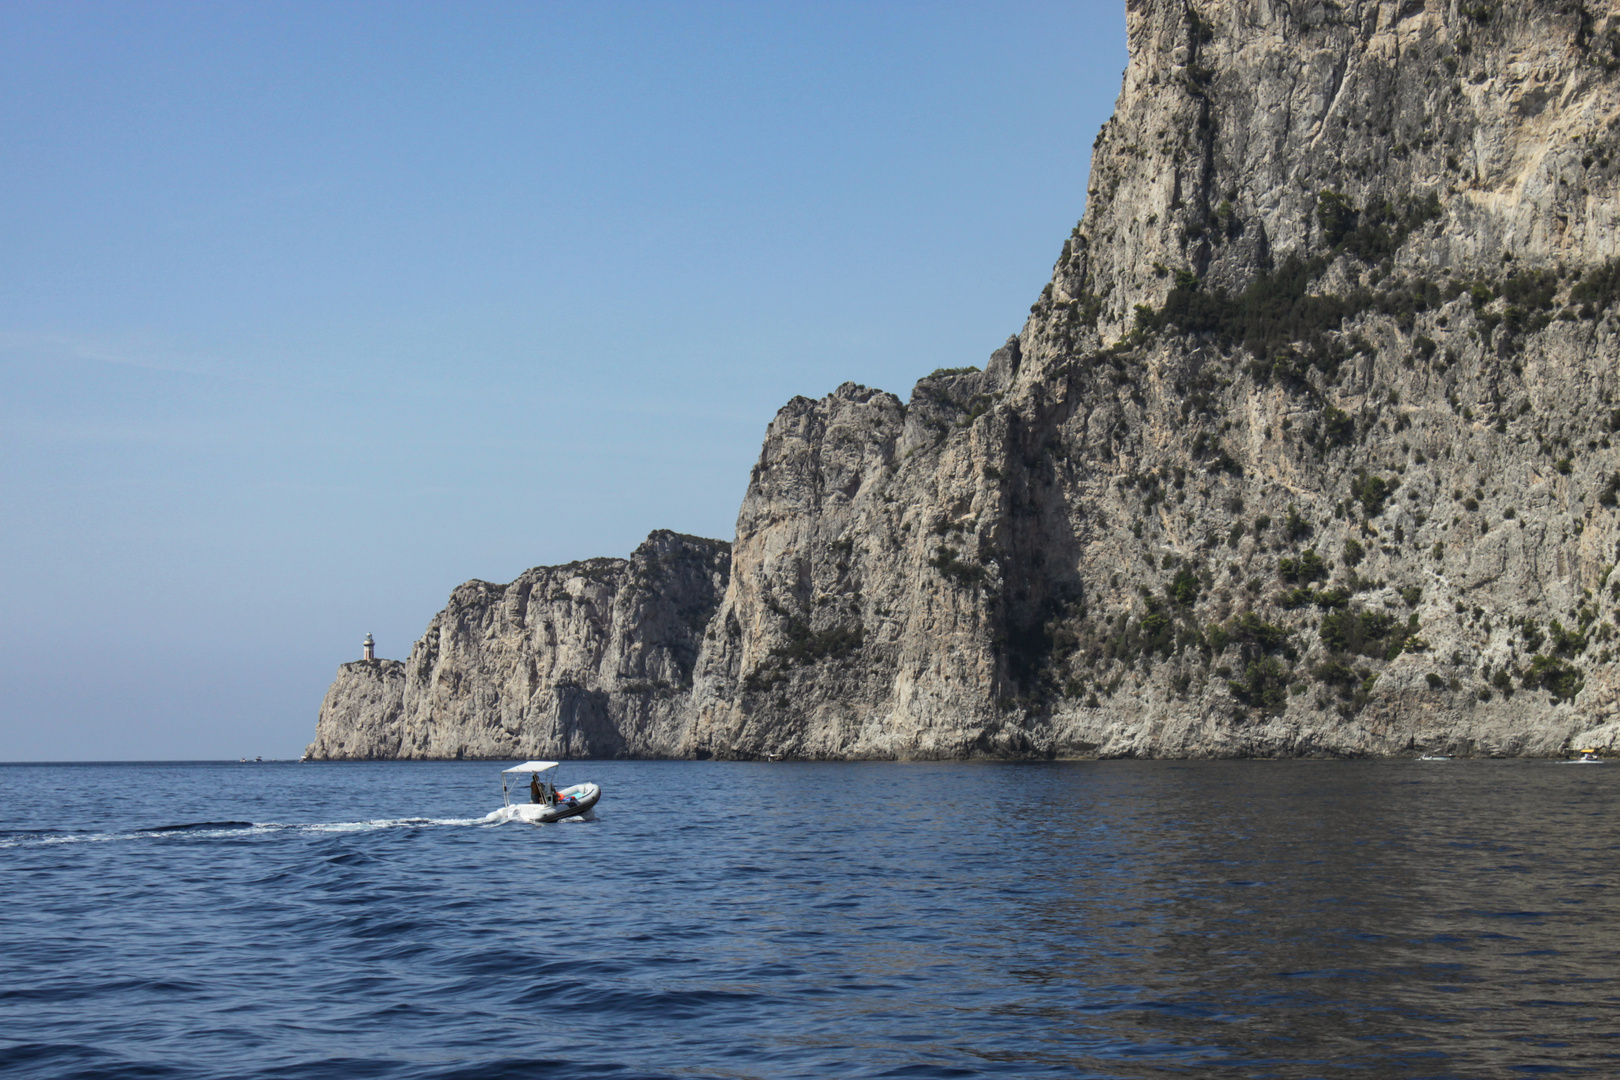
(494, 818)
(251, 829)
(367, 826)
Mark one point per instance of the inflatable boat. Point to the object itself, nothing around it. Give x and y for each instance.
(546, 801)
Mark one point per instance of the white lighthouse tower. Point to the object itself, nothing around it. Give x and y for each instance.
(370, 647)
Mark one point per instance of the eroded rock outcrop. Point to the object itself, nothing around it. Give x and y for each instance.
(590, 659)
(360, 716)
(1306, 448)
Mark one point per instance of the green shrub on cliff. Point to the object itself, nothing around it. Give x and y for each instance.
(1558, 678)
(1373, 491)
(1184, 588)
(806, 646)
(1307, 568)
(1370, 633)
(1262, 685)
(953, 568)
(1249, 628)
(1375, 231)
(1597, 289)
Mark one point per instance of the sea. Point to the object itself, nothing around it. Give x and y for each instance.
(740, 920)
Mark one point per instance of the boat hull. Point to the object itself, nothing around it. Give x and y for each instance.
(573, 801)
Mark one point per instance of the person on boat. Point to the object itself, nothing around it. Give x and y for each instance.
(536, 795)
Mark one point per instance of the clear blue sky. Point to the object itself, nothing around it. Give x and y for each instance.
(310, 312)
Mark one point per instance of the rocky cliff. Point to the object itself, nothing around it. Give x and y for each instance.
(1306, 447)
(360, 716)
(591, 659)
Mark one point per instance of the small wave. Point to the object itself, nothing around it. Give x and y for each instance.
(367, 826)
(578, 819)
(199, 826)
(619, 1000)
(60, 1057)
(218, 829)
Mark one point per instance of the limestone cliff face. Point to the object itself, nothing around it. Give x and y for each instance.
(837, 637)
(1235, 115)
(1306, 448)
(360, 716)
(591, 659)
(862, 616)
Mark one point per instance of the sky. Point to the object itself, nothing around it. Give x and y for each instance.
(310, 312)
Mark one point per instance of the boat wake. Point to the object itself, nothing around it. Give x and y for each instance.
(497, 818)
(214, 830)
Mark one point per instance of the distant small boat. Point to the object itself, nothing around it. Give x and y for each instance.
(1588, 757)
(1435, 757)
(547, 802)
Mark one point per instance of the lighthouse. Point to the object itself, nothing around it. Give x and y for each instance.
(370, 647)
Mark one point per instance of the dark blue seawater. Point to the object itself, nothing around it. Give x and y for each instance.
(1110, 919)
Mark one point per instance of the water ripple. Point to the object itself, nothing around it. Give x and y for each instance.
(1122, 919)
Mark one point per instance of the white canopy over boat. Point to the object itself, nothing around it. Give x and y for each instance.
(532, 766)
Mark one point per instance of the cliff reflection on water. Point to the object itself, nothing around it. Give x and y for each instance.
(1092, 919)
